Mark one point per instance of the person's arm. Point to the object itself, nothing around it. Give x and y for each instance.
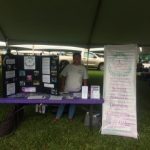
(85, 82)
(62, 86)
(85, 77)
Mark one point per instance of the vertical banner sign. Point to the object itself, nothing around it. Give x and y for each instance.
(119, 108)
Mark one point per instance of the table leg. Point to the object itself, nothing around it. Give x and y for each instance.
(91, 117)
(19, 113)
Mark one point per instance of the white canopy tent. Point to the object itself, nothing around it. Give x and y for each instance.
(80, 23)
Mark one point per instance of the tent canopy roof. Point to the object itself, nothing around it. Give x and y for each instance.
(75, 22)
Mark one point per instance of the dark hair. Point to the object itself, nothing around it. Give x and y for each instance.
(76, 54)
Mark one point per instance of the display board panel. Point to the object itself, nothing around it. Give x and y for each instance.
(50, 74)
(9, 75)
(30, 74)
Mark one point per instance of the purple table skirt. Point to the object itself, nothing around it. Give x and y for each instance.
(47, 101)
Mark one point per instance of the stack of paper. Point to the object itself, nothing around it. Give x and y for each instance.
(95, 92)
(84, 92)
(53, 97)
(36, 97)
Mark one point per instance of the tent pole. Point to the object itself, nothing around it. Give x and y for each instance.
(94, 23)
(89, 45)
(3, 33)
(93, 27)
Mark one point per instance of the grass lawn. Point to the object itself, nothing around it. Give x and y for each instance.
(39, 132)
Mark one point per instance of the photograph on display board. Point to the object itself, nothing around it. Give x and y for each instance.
(36, 82)
(22, 83)
(54, 62)
(53, 79)
(22, 73)
(29, 78)
(29, 62)
(54, 73)
(36, 73)
(54, 91)
(54, 68)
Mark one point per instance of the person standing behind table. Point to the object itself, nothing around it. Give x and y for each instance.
(73, 77)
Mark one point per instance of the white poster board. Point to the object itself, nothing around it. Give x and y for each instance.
(10, 89)
(95, 92)
(84, 92)
(46, 65)
(29, 62)
(119, 109)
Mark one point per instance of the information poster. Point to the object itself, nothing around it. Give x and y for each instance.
(95, 92)
(29, 62)
(46, 78)
(46, 65)
(119, 92)
(10, 89)
(30, 74)
(9, 76)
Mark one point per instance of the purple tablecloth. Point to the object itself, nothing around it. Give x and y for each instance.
(47, 101)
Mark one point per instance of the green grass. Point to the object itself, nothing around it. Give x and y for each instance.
(4, 110)
(95, 77)
(38, 132)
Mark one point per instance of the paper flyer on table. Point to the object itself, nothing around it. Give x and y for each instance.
(84, 92)
(95, 92)
(54, 97)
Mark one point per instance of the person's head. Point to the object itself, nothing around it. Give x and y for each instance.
(77, 58)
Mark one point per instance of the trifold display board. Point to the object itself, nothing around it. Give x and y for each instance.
(30, 74)
(9, 75)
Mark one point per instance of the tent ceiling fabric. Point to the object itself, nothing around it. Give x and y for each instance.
(69, 22)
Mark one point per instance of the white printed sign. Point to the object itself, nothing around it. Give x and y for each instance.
(10, 61)
(46, 78)
(84, 92)
(10, 89)
(45, 65)
(29, 62)
(95, 92)
(119, 92)
(10, 74)
(48, 85)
